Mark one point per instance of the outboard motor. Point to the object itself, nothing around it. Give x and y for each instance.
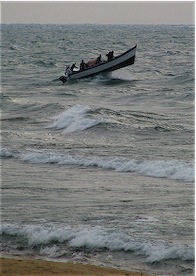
(63, 79)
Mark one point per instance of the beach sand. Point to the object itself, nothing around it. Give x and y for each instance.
(27, 267)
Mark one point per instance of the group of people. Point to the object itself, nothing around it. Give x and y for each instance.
(90, 63)
(83, 65)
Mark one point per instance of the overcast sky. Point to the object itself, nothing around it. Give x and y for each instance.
(101, 12)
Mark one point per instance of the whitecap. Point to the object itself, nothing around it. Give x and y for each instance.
(76, 118)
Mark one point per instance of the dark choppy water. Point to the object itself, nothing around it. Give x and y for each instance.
(99, 170)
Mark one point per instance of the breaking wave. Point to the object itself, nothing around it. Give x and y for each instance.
(171, 169)
(81, 117)
(54, 240)
(77, 118)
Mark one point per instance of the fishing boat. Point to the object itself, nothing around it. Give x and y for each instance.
(94, 68)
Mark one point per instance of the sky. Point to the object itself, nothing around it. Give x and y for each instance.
(98, 12)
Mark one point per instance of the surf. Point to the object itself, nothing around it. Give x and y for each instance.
(171, 169)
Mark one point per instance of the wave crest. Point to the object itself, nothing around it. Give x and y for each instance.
(77, 118)
(171, 169)
(95, 238)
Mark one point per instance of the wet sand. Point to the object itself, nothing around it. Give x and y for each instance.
(27, 267)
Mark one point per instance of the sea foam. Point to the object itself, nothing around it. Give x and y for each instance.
(77, 118)
(49, 239)
(171, 169)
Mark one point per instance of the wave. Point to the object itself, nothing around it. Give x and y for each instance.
(18, 47)
(15, 118)
(77, 118)
(42, 63)
(53, 241)
(171, 169)
(32, 107)
(82, 117)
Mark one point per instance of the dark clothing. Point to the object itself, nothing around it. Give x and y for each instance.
(82, 65)
(99, 59)
(73, 66)
(110, 55)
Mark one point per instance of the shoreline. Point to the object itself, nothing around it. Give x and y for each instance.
(23, 267)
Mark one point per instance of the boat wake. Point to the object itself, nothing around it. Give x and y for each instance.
(111, 78)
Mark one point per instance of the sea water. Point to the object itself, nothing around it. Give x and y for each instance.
(99, 170)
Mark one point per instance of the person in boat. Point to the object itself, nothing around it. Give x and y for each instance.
(73, 66)
(98, 59)
(110, 55)
(82, 65)
(68, 71)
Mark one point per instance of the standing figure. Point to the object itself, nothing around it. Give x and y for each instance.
(110, 55)
(82, 65)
